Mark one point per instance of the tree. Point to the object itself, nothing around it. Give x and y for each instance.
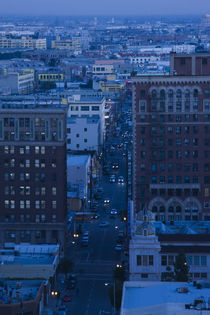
(65, 266)
(181, 268)
(168, 275)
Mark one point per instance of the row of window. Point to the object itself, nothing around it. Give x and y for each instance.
(194, 117)
(26, 190)
(84, 108)
(173, 179)
(162, 118)
(171, 142)
(39, 234)
(69, 130)
(25, 122)
(177, 192)
(191, 260)
(191, 207)
(160, 155)
(25, 149)
(26, 218)
(27, 176)
(28, 163)
(145, 260)
(27, 204)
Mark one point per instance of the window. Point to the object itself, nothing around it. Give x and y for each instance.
(85, 108)
(196, 260)
(189, 260)
(54, 204)
(144, 275)
(171, 260)
(170, 179)
(203, 260)
(151, 260)
(138, 260)
(37, 163)
(163, 260)
(94, 108)
(37, 204)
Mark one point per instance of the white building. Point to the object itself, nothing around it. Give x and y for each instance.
(154, 246)
(17, 83)
(78, 172)
(83, 134)
(79, 106)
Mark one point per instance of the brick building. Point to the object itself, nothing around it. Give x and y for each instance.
(171, 141)
(33, 174)
(190, 64)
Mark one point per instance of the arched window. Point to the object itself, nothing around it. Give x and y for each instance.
(154, 209)
(154, 94)
(170, 93)
(171, 209)
(162, 94)
(178, 93)
(195, 93)
(162, 209)
(187, 93)
(178, 209)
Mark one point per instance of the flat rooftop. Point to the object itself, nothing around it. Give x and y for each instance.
(12, 291)
(139, 294)
(77, 160)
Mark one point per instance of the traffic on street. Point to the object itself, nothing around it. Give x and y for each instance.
(100, 241)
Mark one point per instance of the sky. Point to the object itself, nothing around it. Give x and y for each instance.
(104, 7)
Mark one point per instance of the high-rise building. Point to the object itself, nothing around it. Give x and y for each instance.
(33, 174)
(171, 141)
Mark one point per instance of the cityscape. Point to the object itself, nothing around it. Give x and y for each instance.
(105, 158)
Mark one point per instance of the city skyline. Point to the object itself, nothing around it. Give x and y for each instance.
(93, 7)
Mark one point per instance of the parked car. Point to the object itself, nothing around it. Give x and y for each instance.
(113, 213)
(67, 298)
(61, 310)
(95, 217)
(104, 224)
(118, 247)
(120, 179)
(84, 242)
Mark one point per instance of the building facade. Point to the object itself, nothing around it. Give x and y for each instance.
(171, 138)
(22, 43)
(190, 64)
(154, 246)
(33, 175)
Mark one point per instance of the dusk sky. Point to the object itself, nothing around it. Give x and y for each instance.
(104, 7)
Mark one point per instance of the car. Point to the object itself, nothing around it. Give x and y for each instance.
(113, 213)
(84, 242)
(95, 217)
(104, 224)
(118, 247)
(120, 179)
(61, 310)
(67, 298)
(71, 285)
(106, 201)
(115, 165)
